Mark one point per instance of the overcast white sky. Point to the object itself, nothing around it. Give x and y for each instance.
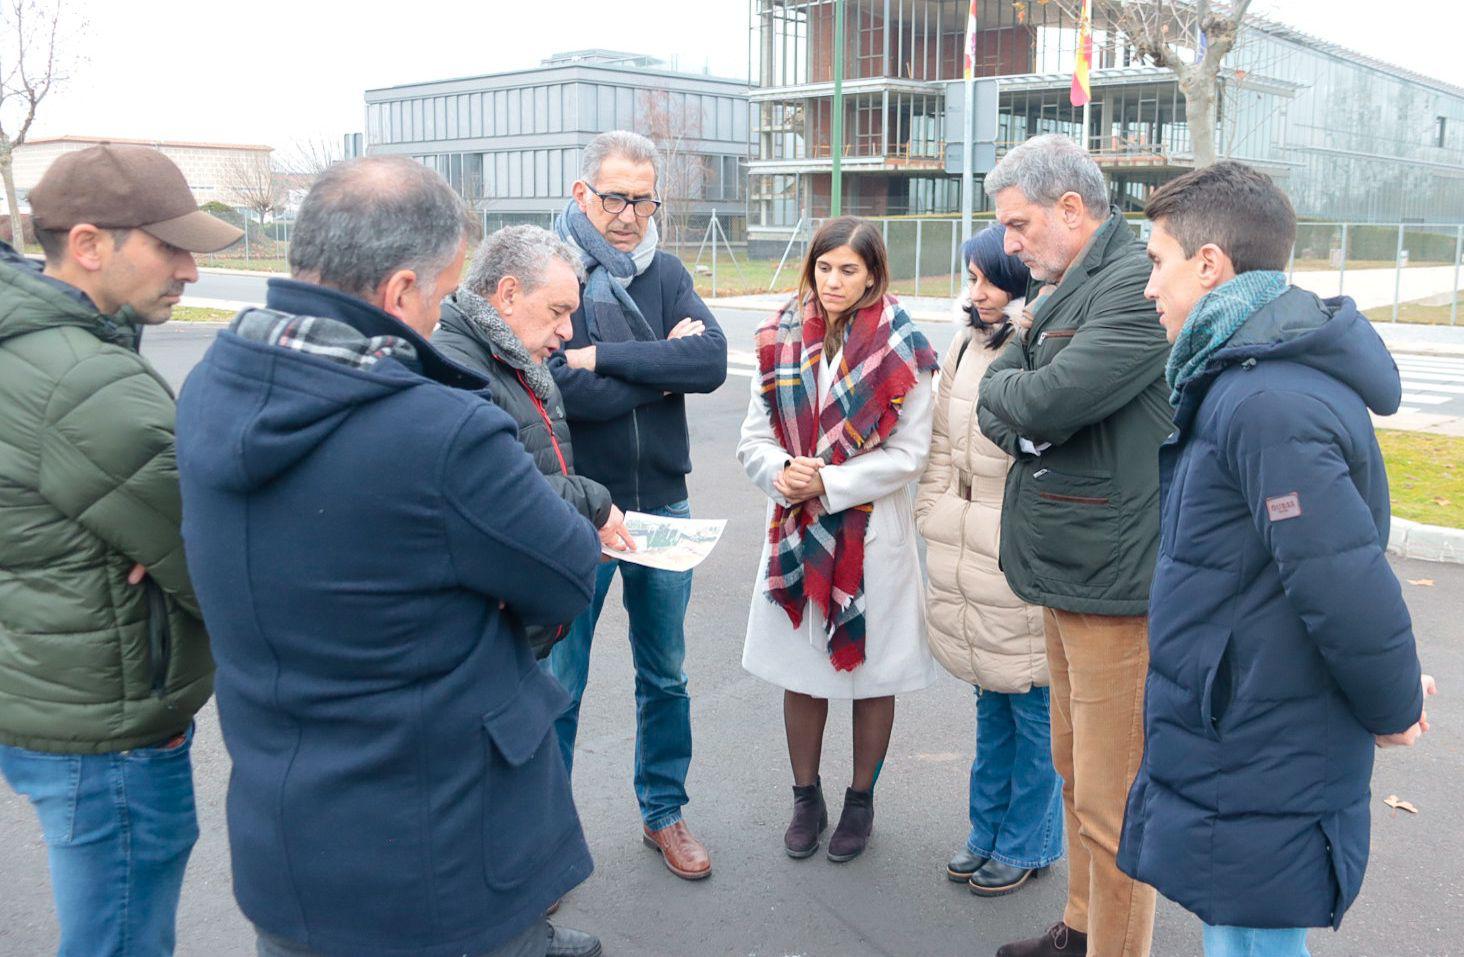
(283, 71)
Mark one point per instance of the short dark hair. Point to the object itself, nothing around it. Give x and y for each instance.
(53, 242)
(366, 218)
(987, 252)
(1232, 205)
(865, 239)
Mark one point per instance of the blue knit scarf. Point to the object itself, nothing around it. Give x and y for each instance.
(610, 313)
(1216, 317)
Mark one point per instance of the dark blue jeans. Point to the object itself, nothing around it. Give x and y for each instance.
(655, 601)
(118, 830)
(1016, 795)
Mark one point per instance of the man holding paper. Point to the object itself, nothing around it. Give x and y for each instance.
(642, 339)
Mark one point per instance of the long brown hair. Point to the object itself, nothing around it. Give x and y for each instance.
(861, 236)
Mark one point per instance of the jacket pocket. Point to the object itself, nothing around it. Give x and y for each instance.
(527, 807)
(159, 639)
(1073, 524)
(1215, 698)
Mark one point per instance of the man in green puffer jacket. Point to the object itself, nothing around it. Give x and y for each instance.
(1080, 402)
(103, 655)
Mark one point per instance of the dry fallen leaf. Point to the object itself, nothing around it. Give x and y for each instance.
(1442, 501)
(1425, 582)
(1397, 805)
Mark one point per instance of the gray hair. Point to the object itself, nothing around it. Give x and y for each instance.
(1045, 167)
(622, 143)
(523, 252)
(367, 218)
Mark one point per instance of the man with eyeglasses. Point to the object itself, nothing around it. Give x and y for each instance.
(642, 340)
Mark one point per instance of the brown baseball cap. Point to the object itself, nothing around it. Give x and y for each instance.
(119, 186)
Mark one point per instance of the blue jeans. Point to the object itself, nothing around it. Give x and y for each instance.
(1016, 795)
(655, 601)
(118, 829)
(1255, 942)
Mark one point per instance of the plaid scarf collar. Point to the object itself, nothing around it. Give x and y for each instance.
(818, 556)
(319, 336)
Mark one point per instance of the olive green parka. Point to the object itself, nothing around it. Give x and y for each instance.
(89, 663)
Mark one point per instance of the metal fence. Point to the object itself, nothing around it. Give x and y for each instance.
(1394, 271)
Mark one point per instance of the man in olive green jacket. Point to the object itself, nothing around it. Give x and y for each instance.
(1080, 401)
(103, 656)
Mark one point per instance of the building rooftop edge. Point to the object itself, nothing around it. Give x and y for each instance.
(548, 67)
(189, 144)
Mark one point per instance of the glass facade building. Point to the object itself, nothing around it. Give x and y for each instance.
(1348, 137)
(512, 143)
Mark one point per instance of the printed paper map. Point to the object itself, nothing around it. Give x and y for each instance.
(673, 544)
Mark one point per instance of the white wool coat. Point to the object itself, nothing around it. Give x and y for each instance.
(897, 657)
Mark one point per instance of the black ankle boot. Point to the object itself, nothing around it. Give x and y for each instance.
(810, 817)
(856, 823)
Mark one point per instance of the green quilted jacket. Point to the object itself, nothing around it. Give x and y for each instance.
(88, 487)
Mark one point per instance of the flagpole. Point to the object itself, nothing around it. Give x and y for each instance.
(968, 178)
(1082, 93)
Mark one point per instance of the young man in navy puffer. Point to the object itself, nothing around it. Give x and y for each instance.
(1281, 651)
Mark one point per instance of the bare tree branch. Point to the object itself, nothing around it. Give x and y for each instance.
(32, 43)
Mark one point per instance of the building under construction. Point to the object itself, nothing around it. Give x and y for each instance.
(1347, 136)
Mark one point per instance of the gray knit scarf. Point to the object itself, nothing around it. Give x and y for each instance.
(506, 343)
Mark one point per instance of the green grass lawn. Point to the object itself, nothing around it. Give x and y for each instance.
(1417, 312)
(1425, 476)
(200, 314)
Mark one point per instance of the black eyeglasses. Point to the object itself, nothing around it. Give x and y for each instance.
(614, 203)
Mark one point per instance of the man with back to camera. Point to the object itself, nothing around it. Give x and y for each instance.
(369, 541)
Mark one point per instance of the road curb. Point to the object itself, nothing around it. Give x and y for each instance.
(226, 271)
(1430, 543)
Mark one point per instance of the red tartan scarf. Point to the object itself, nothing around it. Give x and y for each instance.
(818, 556)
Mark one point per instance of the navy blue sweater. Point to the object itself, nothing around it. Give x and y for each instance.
(1279, 640)
(396, 787)
(628, 417)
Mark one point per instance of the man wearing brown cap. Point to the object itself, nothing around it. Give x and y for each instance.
(103, 656)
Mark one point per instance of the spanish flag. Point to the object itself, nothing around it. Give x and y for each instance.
(971, 40)
(1081, 91)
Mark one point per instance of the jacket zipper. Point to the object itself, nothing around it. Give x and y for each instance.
(635, 431)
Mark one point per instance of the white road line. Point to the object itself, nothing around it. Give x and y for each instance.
(1419, 399)
(1405, 410)
(1428, 378)
(1431, 387)
(1433, 366)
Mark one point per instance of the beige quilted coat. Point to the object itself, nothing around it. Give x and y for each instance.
(978, 630)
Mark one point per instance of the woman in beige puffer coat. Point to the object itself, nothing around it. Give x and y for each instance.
(978, 629)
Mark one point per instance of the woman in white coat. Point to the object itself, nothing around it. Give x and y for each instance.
(837, 429)
(979, 630)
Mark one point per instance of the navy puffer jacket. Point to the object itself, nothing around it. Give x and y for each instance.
(1279, 640)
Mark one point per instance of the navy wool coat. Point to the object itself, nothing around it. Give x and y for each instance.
(367, 545)
(1279, 640)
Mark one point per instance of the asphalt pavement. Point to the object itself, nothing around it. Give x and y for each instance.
(895, 899)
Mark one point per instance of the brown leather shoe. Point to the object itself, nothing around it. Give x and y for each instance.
(1059, 941)
(684, 855)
